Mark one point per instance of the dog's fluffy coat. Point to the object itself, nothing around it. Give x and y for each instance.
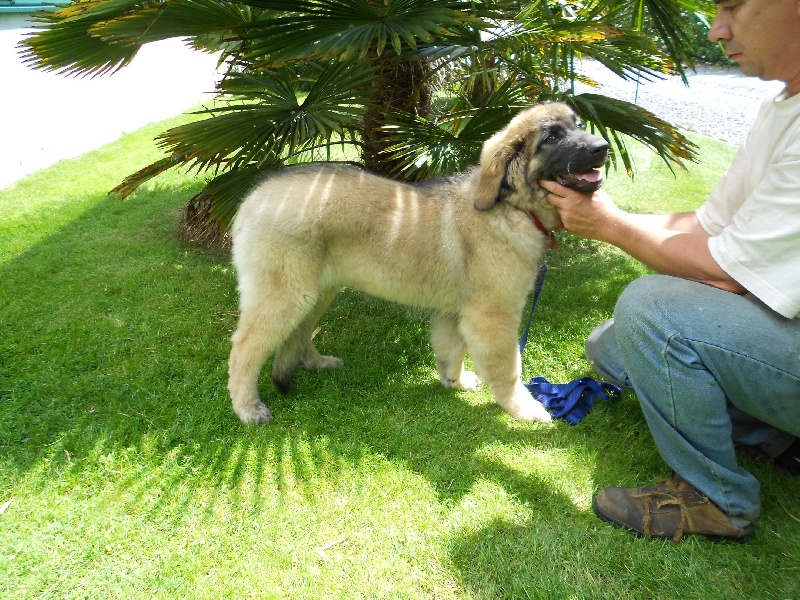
(467, 247)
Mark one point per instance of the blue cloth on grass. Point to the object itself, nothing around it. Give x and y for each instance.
(571, 401)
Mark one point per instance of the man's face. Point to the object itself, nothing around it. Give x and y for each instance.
(762, 36)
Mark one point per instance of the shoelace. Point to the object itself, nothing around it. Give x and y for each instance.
(670, 500)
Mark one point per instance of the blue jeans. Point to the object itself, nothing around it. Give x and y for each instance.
(709, 368)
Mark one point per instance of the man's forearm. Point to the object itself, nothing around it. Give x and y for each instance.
(672, 246)
(686, 222)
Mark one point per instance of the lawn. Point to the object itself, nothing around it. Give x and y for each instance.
(125, 474)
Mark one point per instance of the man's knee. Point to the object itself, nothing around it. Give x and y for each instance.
(601, 342)
(602, 352)
(643, 295)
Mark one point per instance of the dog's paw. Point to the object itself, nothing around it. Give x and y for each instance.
(524, 407)
(534, 411)
(468, 381)
(322, 362)
(329, 362)
(257, 413)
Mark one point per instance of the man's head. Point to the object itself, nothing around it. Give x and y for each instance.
(762, 36)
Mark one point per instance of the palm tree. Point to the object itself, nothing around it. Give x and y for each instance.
(411, 88)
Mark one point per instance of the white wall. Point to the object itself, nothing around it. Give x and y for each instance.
(45, 117)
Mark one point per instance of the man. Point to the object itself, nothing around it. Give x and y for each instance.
(711, 345)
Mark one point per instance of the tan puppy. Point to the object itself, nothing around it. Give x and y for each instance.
(467, 247)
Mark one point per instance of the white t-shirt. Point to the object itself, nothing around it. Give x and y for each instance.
(753, 215)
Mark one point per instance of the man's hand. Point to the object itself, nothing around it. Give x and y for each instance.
(590, 216)
(673, 244)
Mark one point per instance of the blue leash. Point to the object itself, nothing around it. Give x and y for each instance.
(571, 401)
(568, 401)
(537, 289)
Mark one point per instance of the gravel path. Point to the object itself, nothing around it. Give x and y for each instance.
(720, 102)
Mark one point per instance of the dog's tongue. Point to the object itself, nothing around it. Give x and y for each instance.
(589, 181)
(592, 176)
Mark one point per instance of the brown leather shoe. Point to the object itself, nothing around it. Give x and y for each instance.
(670, 509)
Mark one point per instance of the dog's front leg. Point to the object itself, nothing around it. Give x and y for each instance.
(491, 336)
(450, 349)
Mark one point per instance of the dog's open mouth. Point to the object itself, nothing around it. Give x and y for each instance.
(589, 181)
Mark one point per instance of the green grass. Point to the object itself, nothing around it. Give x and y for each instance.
(128, 475)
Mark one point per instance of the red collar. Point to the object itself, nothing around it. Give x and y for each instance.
(540, 226)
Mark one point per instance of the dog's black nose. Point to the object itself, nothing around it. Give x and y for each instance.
(598, 147)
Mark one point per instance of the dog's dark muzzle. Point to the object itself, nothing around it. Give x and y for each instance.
(582, 171)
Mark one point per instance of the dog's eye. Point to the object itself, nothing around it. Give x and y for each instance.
(582, 126)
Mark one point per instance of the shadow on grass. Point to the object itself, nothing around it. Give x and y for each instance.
(116, 333)
(113, 370)
(509, 560)
(117, 339)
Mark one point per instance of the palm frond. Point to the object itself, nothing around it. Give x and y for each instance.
(134, 180)
(61, 42)
(590, 32)
(97, 10)
(347, 28)
(611, 117)
(425, 148)
(220, 198)
(630, 56)
(155, 21)
(668, 20)
(272, 118)
(268, 120)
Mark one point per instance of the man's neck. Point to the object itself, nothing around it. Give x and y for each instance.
(793, 84)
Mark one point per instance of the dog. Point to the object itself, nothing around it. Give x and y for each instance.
(467, 247)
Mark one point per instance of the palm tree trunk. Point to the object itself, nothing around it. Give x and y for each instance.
(402, 86)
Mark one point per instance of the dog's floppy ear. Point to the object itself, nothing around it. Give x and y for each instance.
(497, 153)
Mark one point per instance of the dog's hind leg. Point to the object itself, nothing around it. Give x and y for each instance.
(450, 349)
(299, 348)
(491, 337)
(267, 318)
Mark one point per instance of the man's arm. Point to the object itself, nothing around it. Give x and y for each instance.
(669, 244)
(685, 222)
